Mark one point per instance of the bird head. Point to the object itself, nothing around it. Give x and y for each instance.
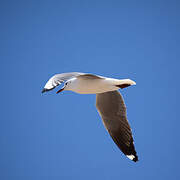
(67, 86)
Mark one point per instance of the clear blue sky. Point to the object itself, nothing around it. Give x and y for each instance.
(61, 136)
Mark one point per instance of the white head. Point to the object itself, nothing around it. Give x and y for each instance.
(68, 85)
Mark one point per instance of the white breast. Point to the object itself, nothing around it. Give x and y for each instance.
(92, 86)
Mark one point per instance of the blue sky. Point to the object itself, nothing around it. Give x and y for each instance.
(61, 136)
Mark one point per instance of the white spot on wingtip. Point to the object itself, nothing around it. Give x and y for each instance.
(131, 157)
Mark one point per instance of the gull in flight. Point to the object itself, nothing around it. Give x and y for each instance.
(109, 103)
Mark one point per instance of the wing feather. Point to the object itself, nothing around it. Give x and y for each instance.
(90, 76)
(112, 109)
(57, 79)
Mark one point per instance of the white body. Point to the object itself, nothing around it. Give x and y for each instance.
(94, 86)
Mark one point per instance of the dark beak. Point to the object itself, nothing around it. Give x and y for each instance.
(60, 90)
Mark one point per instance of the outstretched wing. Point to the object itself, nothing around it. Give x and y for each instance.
(57, 79)
(89, 76)
(112, 109)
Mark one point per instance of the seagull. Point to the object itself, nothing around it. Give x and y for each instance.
(109, 103)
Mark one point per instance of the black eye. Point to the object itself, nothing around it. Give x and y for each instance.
(66, 83)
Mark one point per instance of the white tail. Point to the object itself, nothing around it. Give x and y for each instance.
(123, 83)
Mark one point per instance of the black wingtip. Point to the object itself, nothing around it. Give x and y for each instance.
(44, 90)
(135, 159)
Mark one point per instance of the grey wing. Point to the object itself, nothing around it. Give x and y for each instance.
(57, 79)
(89, 76)
(112, 109)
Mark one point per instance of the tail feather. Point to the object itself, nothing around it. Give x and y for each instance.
(125, 83)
